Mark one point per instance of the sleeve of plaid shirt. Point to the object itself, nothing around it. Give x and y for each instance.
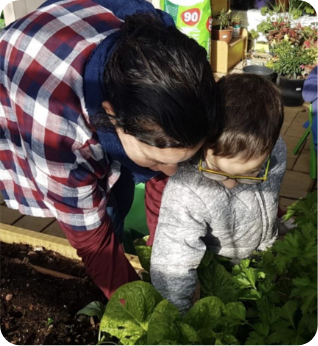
(51, 161)
(63, 172)
(98, 246)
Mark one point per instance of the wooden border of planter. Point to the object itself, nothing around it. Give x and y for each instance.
(11, 234)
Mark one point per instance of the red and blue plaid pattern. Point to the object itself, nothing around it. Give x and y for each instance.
(51, 162)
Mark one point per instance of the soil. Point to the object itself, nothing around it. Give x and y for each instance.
(38, 309)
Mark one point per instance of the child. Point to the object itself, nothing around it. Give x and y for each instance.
(226, 199)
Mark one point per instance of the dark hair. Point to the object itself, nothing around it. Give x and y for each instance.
(253, 116)
(160, 85)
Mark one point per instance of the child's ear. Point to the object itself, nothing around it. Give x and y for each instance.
(108, 107)
(208, 152)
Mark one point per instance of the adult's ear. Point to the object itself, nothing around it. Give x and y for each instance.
(108, 107)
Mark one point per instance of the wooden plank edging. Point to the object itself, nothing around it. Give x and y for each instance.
(11, 234)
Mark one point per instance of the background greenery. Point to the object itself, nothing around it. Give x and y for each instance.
(1, 20)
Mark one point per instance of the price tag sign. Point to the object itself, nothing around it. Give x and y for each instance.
(191, 17)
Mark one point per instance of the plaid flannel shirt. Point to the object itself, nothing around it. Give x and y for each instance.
(51, 162)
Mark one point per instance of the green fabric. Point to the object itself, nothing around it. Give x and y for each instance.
(135, 225)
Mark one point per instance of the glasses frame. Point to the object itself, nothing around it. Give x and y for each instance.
(235, 177)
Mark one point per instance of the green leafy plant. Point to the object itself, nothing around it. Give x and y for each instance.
(293, 46)
(265, 26)
(236, 18)
(49, 322)
(224, 19)
(278, 286)
(277, 16)
(268, 299)
(137, 315)
(97, 309)
(93, 309)
(254, 34)
(298, 8)
(2, 23)
(144, 254)
(289, 59)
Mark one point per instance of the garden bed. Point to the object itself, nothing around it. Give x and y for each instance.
(270, 299)
(39, 309)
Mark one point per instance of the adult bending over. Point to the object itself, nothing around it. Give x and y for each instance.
(94, 97)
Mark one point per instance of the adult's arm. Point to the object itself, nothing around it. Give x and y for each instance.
(103, 256)
(178, 248)
(78, 198)
(75, 180)
(153, 196)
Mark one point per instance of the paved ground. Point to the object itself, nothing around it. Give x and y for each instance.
(296, 183)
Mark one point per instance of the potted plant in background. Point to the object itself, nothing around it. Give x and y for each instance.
(278, 21)
(292, 48)
(236, 19)
(253, 35)
(294, 8)
(257, 56)
(299, 8)
(223, 31)
(294, 53)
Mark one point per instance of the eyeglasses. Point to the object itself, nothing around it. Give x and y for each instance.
(240, 179)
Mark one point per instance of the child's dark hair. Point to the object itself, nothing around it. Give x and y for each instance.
(253, 114)
(160, 85)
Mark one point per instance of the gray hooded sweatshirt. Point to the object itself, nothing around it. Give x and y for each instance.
(198, 213)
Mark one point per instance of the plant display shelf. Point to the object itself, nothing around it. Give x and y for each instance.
(226, 55)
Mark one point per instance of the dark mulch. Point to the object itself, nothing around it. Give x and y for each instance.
(39, 309)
